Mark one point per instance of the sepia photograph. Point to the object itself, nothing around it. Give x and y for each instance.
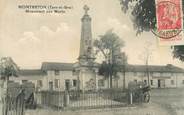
(94, 57)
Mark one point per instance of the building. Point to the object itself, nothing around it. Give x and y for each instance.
(57, 71)
(62, 76)
(83, 74)
(29, 77)
(160, 76)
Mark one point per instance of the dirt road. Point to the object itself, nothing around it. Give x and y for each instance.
(170, 99)
(144, 109)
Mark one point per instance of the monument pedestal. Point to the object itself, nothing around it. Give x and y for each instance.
(87, 77)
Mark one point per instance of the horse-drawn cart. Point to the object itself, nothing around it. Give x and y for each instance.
(140, 92)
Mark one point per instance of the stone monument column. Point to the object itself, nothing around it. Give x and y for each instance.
(86, 44)
(86, 58)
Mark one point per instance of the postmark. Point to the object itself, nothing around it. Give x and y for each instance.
(169, 20)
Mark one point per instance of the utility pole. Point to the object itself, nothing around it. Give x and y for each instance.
(146, 58)
(147, 71)
(111, 66)
(124, 69)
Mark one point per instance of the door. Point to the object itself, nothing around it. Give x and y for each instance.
(162, 83)
(50, 85)
(67, 84)
(159, 83)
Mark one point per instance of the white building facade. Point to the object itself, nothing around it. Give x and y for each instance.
(168, 76)
(62, 76)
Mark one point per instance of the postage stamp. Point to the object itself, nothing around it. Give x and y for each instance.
(169, 22)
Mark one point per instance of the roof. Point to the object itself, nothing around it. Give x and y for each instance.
(70, 66)
(56, 66)
(155, 68)
(30, 72)
(94, 65)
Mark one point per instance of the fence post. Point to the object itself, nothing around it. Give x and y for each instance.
(66, 99)
(1, 97)
(131, 98)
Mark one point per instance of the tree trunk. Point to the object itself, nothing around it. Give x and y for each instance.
(110, 81)
(5, 96)
(124, 80)
(1, 96)
(147, 72)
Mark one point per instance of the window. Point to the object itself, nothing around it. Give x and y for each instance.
(51, 85)
(74, 83)
(56, 82)
(183, 82)
(39, 83)
(74, 72)
(172, 82)
(101, 83)
(145, 81)
(151, 82)
(24, 81)
(56, 72)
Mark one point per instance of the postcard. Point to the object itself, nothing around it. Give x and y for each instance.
(95, 57)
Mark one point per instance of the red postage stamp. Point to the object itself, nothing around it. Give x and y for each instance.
(169, 21)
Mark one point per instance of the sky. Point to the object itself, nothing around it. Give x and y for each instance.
(33, 38)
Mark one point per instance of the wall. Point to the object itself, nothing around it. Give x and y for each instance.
(128, 78)
(63, 75)
(88, 80)
(178, 79)
(32, 79)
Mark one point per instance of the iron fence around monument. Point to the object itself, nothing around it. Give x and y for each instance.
(82, 100)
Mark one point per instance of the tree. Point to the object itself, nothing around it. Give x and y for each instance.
(178, 52)
(143, 12)
(144, 19)
(109, 45)
(146, 57)
(7, 69)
